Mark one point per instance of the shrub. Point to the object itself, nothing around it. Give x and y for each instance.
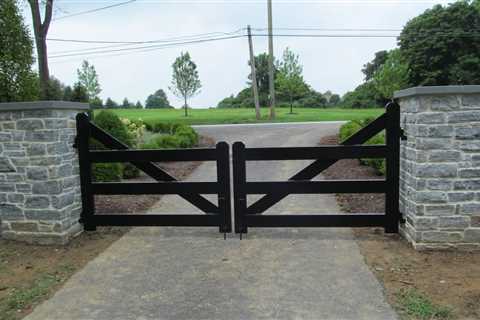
(166, 142)
(111, 123)
(352, 127)
(136, 129)
(103, 172)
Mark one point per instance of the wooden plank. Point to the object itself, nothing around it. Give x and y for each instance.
(175, 187)
(106, 156)
(392, 197)
(88, 200)
(322, 152)
(310, 221)
(316, 187)
(159, 220)
(224, 196)
(239, 180)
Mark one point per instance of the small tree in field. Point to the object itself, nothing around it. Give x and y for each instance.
(289, 81)
(185, 79)
(88, 78)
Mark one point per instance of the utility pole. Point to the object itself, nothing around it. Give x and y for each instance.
(271, 78)
(253, 74)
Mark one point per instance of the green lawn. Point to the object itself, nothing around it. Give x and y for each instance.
(219, 116)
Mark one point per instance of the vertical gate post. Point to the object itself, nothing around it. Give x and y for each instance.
(392, 195)
(239, 180)
(223, 179)
(83, 137)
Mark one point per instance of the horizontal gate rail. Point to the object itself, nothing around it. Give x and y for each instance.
(300, 183)
(309, 187)
(200, 154)
(144, 160)
(310, 153)
(112, 188)
(324, 220)
(158, 220)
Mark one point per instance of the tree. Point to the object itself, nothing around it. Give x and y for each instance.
(334, 100)
(185, 79)
(261, 70)
(138, 105)
(365, 95)
(441, 45)
(392, 75)
(40, 30)
(370, 68)
(96, 103)
(17, 81)
(88, 77)
(55, 89)
(126, 104)
(289, 81)
(79, 93)
(67, 93)
(110, 104)
(157, 100)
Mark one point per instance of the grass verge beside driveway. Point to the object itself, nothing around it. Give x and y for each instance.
(243, 115)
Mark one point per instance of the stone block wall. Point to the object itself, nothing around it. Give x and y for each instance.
(440, 166)
(40, 200)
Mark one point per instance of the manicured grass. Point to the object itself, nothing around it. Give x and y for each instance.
(223, 116)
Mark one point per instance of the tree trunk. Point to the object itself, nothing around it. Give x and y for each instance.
(40, 30)
(291, 105)
(185, 107)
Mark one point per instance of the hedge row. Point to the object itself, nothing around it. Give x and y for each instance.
(176, 137)
(353, 126)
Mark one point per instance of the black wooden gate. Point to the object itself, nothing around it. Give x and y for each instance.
(324, 156)
(214, 215)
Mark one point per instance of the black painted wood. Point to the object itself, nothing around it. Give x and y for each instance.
(316, 187)
(177, 155)
(175, 187)
(393, 136)
(309, 221)
(323, 152)
(82, 144)
(159, 220)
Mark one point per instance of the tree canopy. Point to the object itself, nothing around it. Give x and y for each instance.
(392, 75)
(441, 46)
(371, 67)
(17, 81)
(157, 100)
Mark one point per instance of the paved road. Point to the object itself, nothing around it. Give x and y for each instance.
(181, 273)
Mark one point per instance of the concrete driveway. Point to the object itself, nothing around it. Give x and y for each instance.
(192, 273)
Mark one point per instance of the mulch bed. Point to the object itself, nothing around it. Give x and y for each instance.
(352, 169)
(447, 278)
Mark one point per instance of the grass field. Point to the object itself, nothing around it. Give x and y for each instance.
(220, 116)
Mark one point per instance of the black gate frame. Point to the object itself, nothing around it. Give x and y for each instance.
(166, 184)
(324, 156)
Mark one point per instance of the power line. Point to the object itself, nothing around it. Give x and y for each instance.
(150, 47)
(94, 10)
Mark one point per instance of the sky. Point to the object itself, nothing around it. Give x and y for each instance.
(329, 63)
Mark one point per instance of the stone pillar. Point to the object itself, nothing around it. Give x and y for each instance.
(40, 198)
(440, 166)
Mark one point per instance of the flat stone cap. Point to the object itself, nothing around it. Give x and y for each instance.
(436, 90)
(43, 105)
